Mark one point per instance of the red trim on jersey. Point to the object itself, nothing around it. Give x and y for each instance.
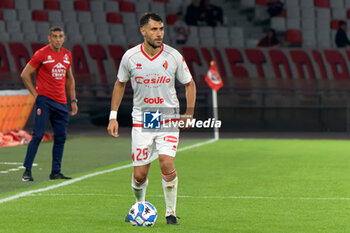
(149, 58)
(166, 121)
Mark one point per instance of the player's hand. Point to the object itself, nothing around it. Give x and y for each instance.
(185, 118)
(74, 111)
(113, 128)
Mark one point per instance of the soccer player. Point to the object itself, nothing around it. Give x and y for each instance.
(52, 64)
(152, 68)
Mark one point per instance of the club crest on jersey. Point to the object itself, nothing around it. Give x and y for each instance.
(139, 66)
(38, 112)
(165, 65)
(65, 59)
(58, 71)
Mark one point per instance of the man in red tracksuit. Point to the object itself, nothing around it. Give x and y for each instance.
(52, 64)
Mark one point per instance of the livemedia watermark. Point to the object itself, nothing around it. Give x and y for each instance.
(170, 120)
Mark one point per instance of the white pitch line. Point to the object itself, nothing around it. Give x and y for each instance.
(11, 163)
(205, 197)
(16, 163)
(197, 145)
(27, 193)
(14, 169)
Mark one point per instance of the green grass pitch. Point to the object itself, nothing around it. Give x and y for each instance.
(255, 185)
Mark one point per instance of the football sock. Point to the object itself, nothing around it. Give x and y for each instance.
(139, 189)
(170, 194)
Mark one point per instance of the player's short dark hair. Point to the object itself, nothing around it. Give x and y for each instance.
(147, 16)
(341, 23)
(55, 29)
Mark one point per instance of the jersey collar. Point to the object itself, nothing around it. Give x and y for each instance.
(155, 56)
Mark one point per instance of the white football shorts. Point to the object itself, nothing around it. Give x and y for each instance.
(147, 145)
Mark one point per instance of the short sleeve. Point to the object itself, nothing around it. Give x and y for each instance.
(123, 71)
(182, 72)
(36, 60)
(70, 59)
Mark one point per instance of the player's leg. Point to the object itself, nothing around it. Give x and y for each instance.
(139, 181)
(169, 182)
(41, 117)
(167, 145)
(142, 156)
(59, 120)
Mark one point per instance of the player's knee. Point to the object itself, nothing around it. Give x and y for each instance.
(169, 176)
(139, 179)
(167, 165)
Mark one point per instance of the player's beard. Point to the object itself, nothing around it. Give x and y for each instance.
(153, 44)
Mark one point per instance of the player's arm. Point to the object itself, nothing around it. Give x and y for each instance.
(191, 100)
(190, 97)
(117, 96)
(70, 83)
(27, 79)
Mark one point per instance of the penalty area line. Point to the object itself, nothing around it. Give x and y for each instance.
(72, 181)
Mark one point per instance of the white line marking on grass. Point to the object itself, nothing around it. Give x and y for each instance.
(23, 194)
(11, 163)
(197, 145)
(203, 197)
(28, 193)
(14, 169)
(16, 163)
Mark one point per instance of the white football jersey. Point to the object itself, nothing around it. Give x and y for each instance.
(153, 79)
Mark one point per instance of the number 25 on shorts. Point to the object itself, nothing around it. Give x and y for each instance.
(141, 154)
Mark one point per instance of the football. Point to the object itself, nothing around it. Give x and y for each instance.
(143, 213)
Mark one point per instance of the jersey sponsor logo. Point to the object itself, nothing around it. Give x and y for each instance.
(139, 66)
(165, 65)
(170, 139)
(157, 100)
(147, 81)
(58, 71)
(48, 61)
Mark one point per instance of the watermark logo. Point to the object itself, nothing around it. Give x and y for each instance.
(152, 120)
(193, 123)
(160, 120)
